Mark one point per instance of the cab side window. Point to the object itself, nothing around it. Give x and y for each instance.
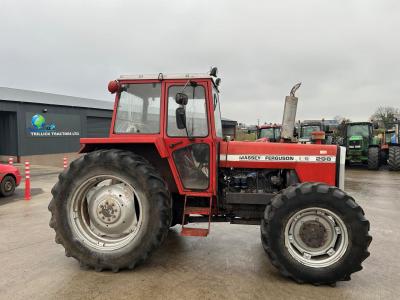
(196, 112)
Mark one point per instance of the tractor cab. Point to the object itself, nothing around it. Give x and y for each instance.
(359, 135)
(362, 146)
(309, 129)
(389, 136)
(390, 148)
(306, 130)
(392, 134)
(181, 115)
(269, 133)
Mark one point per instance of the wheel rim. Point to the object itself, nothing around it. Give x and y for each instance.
(8, 186)
(316, 237)
(105, 213)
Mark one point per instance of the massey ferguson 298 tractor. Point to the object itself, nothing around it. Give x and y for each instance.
(165, 162)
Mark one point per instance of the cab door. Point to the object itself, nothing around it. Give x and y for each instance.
(191, 150)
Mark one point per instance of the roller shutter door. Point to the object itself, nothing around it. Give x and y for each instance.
(98, 126)
(8, 133)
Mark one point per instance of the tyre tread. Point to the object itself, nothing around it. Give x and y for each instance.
(394, 158)
(288, 195)
(123, 160)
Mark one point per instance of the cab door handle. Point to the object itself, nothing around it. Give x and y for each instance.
(173, 145)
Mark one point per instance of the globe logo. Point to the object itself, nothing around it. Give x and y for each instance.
(38, 121)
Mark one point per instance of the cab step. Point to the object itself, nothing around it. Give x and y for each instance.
(194, 210)
(190, 231)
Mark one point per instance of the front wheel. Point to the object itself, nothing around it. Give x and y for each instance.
(110, 210)
(315, 233)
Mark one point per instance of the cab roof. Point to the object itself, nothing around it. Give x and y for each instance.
(359, 123)
(266, 126)
(161, 76)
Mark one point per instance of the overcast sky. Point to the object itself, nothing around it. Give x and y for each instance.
(346, 53)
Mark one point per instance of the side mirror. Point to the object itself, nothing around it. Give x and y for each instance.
(181, 98)
(180, 115)
(214, 72)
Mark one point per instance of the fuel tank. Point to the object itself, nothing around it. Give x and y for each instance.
(312, 163)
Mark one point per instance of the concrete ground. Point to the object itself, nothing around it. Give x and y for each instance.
(229, 264)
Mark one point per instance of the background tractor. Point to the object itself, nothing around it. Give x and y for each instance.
(390, 148)
(362, 145)
(165, 163)
(269, 133)
(308, 127)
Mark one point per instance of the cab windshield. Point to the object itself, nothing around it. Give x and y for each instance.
(138, 109)
(267, 133)
(389, 136)
(358, 130)
(306, 131)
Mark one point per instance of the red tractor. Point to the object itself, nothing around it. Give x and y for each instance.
(269, 133)
(165, 162)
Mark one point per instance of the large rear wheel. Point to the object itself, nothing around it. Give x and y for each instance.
(315, 233)
(110, 209)
(394, 158)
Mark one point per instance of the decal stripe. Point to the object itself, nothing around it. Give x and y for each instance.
(279, 158)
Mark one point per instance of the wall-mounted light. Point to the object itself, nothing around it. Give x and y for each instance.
(44, 110)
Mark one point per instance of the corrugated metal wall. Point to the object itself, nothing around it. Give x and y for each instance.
(16, 137)
(98, 126)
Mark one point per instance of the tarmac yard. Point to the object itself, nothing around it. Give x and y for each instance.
(229, 264)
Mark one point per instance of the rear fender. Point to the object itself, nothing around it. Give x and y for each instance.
(150, 151)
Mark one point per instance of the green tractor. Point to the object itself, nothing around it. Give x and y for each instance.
(362, 146)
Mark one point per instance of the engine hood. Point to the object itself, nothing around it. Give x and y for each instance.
(312, 162)
(281, 151)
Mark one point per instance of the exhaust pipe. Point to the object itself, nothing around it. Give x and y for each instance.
(289, 114)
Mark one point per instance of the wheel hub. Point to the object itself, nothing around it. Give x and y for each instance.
(313, 234)
(111, 209)
(8, 186)
(316, 237)
(108, 211)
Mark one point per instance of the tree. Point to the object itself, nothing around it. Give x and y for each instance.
(385, 115)
(341, 119)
